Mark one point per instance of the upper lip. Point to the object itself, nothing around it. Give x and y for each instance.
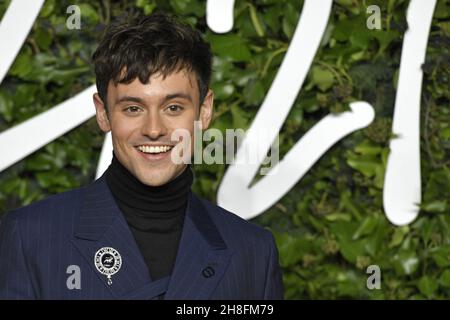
(154, 145)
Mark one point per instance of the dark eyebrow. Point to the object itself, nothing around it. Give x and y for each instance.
(165, 99)
(177, 95)
(129, 99)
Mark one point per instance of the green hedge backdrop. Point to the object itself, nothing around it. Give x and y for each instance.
(331, 225)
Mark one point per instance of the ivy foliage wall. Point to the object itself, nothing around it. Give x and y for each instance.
(331, 225)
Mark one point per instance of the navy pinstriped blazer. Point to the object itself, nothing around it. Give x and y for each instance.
(220, 255)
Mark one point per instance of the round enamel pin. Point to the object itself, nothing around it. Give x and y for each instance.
(108, 261)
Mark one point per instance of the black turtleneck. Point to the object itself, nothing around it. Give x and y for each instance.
(155, 215)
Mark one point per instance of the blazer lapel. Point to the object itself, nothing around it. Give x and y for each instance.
(202, 256)
(101, 224)
(201, 261)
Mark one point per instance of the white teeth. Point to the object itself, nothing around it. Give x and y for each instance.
(154, 149)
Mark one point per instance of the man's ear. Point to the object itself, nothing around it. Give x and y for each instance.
(101, 114)
(206, 109)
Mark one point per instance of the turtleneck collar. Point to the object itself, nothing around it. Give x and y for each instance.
(142, 204)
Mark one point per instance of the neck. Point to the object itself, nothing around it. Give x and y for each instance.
(136, 199)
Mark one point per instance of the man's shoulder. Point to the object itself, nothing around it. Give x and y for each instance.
(49, 208)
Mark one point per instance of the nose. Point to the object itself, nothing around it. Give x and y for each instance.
(153, 126)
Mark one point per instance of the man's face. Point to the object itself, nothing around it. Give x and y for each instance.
(142, 118)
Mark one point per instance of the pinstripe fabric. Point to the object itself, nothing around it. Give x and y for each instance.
(220, 255)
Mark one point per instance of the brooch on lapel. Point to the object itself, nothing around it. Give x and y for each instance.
(108, 261)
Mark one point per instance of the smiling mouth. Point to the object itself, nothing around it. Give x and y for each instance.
(154, 149)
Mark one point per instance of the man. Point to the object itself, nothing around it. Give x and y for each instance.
(138, 232)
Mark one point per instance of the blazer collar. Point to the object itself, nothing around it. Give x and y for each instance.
(201, 260)
(202, 257)
(101, 224)
(98, 213)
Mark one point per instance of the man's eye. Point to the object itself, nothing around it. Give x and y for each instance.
(132, 109)
(174, 108)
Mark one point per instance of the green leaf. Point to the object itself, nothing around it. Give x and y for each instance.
(338, 216)
(346, 201)
(290, 20)
(445, 132)
(376, 241)
(291, 248)
(25, 97)
(442, 10)
(54, 181)
(444, 280)
(322, 78)
(436, 206)
(366, 165)
(437, 188)
(22, 66)
(256, 20)
(368, 148)
(385, 38)
(366, 227)
(10, 185)
(43, 38)
(398, 236)
(40, 162)
(47, 8)
(239, 117)
(346, 3)
(406, 262)
(222, 90)
(147, 7)
(361, 37)
(254, 93)
(352, 249)
(441, 255)
(88, 12)
(349, 248)
(184, 7)
(350, 284)
(427, 286)
(271, 18)
(231, 46)
(445, 25)
(206, 185)
(6, 105)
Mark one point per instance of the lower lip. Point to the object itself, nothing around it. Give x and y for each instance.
(155, 156)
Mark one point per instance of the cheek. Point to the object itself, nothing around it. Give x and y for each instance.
(186, 122)
(123, 131)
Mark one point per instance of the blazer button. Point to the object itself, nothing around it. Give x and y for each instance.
(208, 272)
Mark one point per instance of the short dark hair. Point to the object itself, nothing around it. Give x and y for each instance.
(140, 46)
